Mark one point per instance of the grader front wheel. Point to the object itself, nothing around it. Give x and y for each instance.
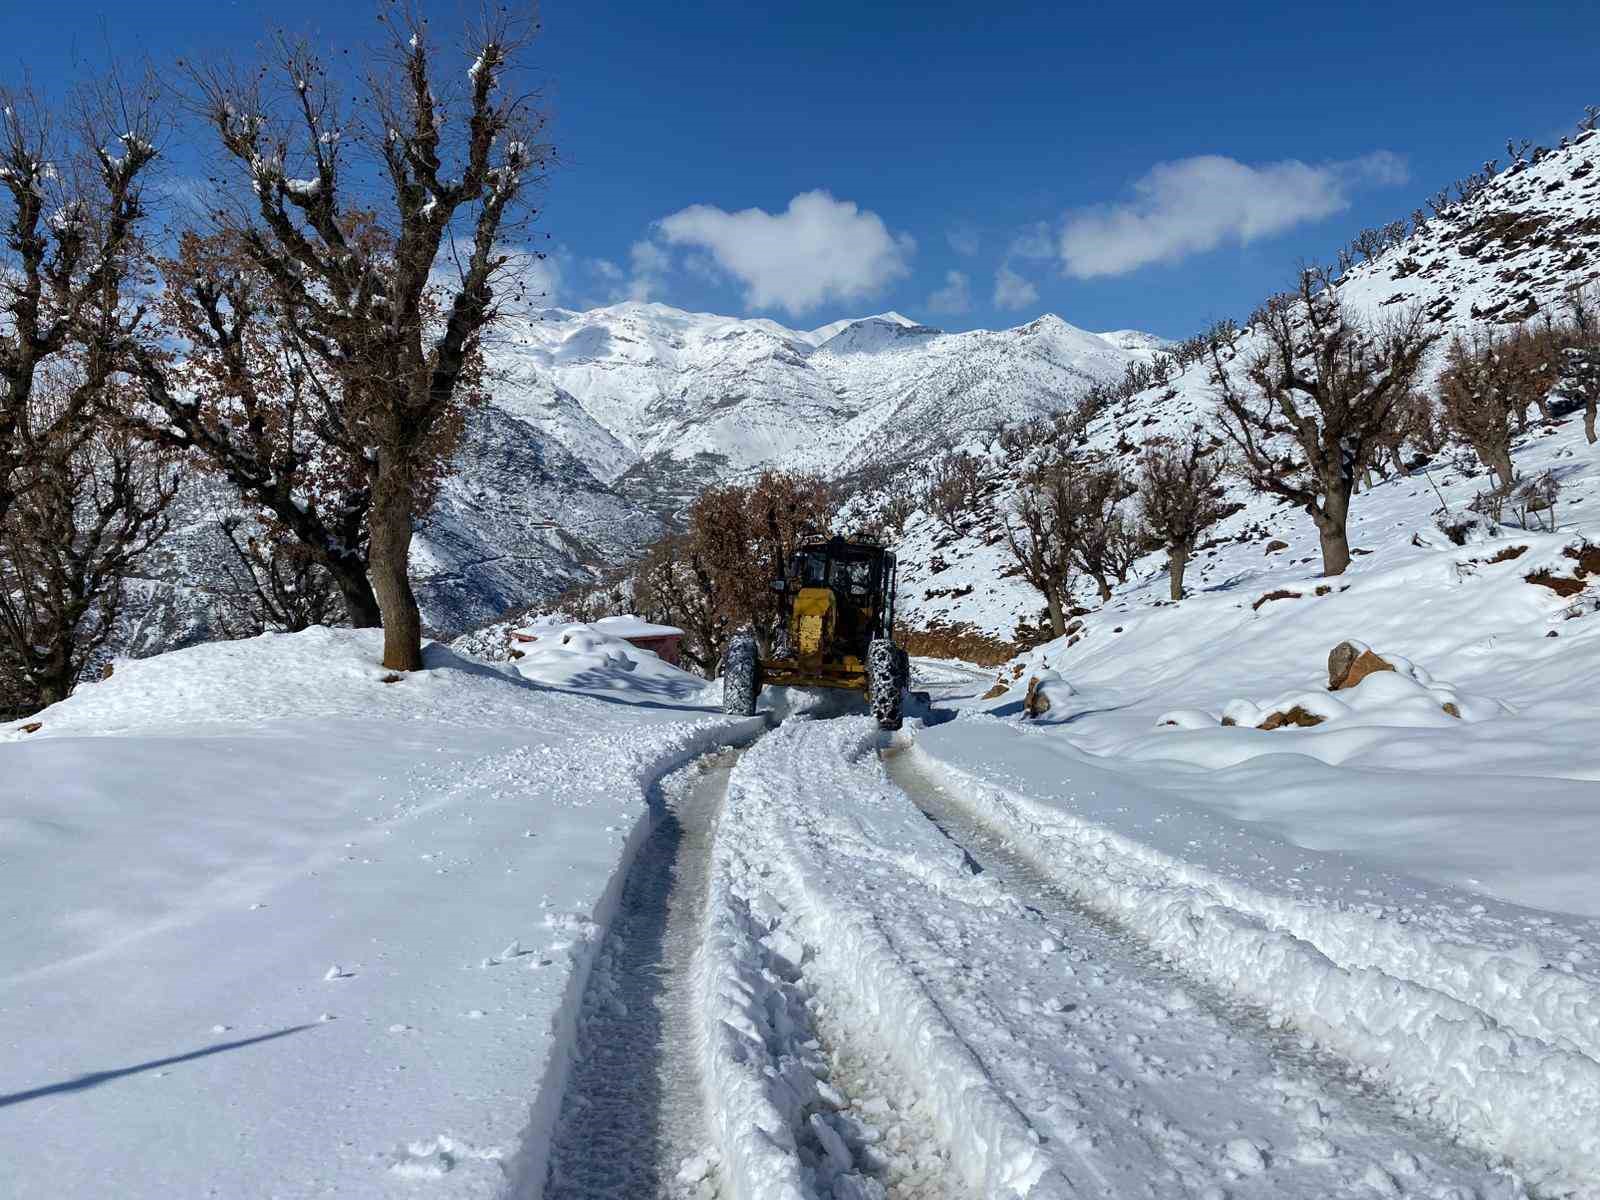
(888, 672)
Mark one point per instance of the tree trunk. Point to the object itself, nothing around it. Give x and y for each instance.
(1177, 561)
(1331, 521)
(1104, 584)
(1588, 421)
(360, 604)
(55, 679)
(390, 523)
(1058, 620)
(1500, 464)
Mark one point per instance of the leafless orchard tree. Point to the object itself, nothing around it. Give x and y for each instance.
(283, 586)
(1099, 537)
(1037, 530)
(358, 210)
(1579, 382)
(246, 397)
(70, 209)
(673, 583)
(1335, 386)
(1481, 399)
(743, 537)
(1180, 500)
(95, 505)
(955, 490)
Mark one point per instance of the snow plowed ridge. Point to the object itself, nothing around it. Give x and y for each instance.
(1475, 1069)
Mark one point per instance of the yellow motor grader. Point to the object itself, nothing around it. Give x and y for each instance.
(836, 630)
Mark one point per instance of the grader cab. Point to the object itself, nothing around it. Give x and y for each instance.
(836, 630)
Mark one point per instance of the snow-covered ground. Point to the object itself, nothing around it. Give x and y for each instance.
(276, 926)
(273, 926)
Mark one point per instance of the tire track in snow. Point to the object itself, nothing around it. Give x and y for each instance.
(632, 1123)
(1178, 1091)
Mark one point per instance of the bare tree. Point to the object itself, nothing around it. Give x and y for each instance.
(744, 536)
(1579, 381)
(1098, 536)
(1180, 499)
(1333, 385)
(96, 504)
(955, 490)
(245, 397)
(70, 208)
(1492, 380)
(352, 265)
(673, 584)
(283, 585)
(1036, 533)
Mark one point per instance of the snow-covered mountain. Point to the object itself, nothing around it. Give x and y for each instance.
(660, 402)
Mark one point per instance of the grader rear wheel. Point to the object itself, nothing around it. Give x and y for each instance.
(741, 669)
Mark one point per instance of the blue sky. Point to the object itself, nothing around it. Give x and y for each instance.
(1151, 166)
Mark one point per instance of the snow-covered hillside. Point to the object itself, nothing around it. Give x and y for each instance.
(1509, 253)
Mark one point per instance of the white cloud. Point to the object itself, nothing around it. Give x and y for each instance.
(963, 240)
(650, 262)
(605, 269)
(1012, 290)
(1195, 204)
(953, 297)
(817, 249)
(1037, 240)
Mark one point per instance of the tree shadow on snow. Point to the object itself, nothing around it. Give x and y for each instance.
(96, 1078)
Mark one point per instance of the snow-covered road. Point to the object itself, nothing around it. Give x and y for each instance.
(632, 1120)
(1046, 1052)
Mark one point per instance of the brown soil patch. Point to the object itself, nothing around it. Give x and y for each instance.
(1561, 585)
(1587, 556)
(958, 641)
(1509, 553)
